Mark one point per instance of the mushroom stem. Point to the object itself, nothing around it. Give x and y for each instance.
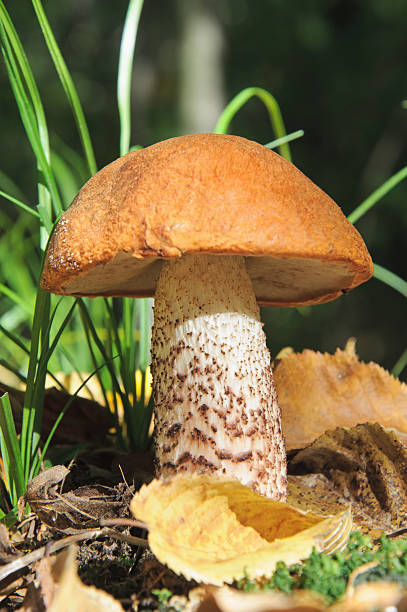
(215, 405)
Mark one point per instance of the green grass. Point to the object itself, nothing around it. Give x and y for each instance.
(44, 337)
(328, 575)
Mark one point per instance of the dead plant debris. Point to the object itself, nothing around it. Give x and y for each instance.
(346, 429)
(81, 508)
(365, 465)
(319, 391)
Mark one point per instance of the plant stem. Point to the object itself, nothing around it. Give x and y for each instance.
(277, 142)
(400, 364)
(377, 195)
(273, 109)
(28, 209)
(390, 279)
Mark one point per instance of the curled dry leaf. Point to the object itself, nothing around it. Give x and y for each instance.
(81, 508)
(314, 493)
(363, 598)
(216, 531)
(365, 465)
(318, 392)
(317, 493)
(226, 599)
(374, 596)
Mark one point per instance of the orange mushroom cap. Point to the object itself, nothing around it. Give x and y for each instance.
(205, 193)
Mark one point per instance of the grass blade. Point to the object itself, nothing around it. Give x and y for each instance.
(72, 158)
(33, 131)
(14, 339)
(129, 346)
(144, 326)
(40, 457)
(400, 364)
(88, 336)
(377, 195)
(27, 74)
(30, 106)
(390, 279)
(125, 71)
(28, 209)
(34, 387)
(67, 84)
(125, 347)
(270, 103)
(288, 138)
(44, 358)
(66, 180)
(144, 411)
(35, 416)
(14, 297)
(90, 331)
(10, 451)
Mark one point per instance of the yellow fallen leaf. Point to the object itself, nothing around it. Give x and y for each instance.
(319, 391)
(216, 531)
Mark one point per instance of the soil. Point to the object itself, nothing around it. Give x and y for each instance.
(71, 503)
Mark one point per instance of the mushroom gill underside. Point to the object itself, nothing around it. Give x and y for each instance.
(215, 406)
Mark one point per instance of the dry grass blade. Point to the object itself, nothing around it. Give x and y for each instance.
(123, 522)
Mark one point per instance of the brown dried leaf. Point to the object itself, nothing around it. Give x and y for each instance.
(364, 598)
(66, 592)
(365, 465)
(374, 596)
(45, 481)
(57, 588)
(82, 508)
(314, 493)
(7, 551)
(226, 599)
(33, 601)
(318, 392)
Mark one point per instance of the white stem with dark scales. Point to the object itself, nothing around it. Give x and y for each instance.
(215, 406)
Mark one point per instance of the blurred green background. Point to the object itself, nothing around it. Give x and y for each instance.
(338, 71)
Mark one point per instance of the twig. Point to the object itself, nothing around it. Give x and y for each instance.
(393, 534)
(123, 522)
(52, 547)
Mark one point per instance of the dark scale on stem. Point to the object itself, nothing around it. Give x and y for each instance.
(174, 430)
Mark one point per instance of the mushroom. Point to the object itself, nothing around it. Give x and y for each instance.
(211, 226)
